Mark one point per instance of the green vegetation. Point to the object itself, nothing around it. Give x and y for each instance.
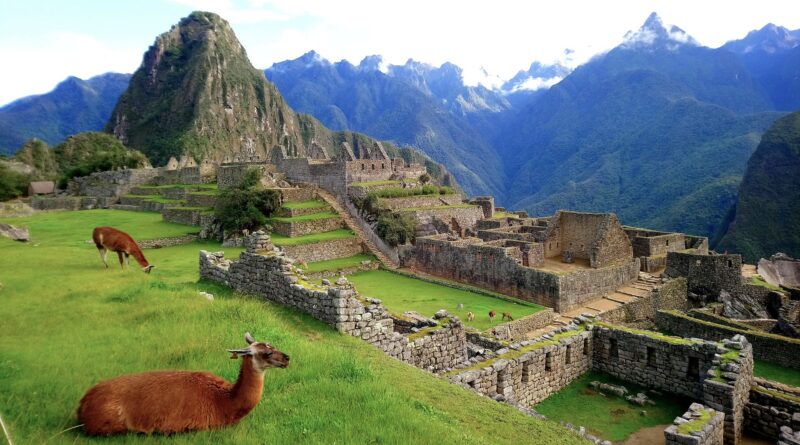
(86, 153)
(442, 207)
(280, 240)
(337, 264)
(12, 183)
(696, 424)
(610, 417)
(138, 322)
(400, 293)
(781, 395)
(246, 206)
(309, 217)
(313, 204)
(652, 334)
(776, 373)
(210, 186)
(763, 219)
(758, 281)
(156, 198)
(396, 228)
(426, 190)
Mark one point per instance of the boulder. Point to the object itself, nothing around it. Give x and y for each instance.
(14, 233)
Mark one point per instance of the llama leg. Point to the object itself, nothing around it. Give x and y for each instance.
(103, 254)
(121, 260)
(127, 259)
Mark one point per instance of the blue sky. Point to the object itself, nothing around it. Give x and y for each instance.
(43, 42)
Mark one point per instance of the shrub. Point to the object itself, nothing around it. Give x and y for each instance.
(424, 178)
(246, 206)
(13, 184)
(86, 153)
(396, 228)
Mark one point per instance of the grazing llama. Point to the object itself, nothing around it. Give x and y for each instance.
(492, 314)
(507, 315)
(109, 238)
(175, 401)
(470, 316)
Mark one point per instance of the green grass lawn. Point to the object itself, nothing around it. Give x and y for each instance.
(310, 217)
(280, 240)
(67, 323)
(211, 186)
(400, 293)
(313, 204)
(609, 417)
(778, 373)
(338, 263)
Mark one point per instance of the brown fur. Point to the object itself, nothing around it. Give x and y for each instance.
(109, 238)
(470, 316)
(507, 315)
(175, 401)
(492, 314)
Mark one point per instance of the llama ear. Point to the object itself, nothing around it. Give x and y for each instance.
(236, 353)
(249, 338)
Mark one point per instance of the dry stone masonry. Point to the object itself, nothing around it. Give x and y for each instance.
(698, 426)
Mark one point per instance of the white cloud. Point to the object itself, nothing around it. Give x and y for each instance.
(536, 83)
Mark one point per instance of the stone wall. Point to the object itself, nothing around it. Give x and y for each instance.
(471, 261)
(706, 274)
(188, 216)
(201, 199)
(772, 406)
(701, 431)
(71, 202)
(325, 250)
(727, 388)
(596, 237)
(298, 194)
(111, 184)
(543, 368)
(186, 175)
(167, 242)
(457, 219)
(420, 201)
(306, 227)
(768, 347)
(271, 275)
(517, 329)
(230, 175)
(669, 295)
(652, 243)
(328, 175)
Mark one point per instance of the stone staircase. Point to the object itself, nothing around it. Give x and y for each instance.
(629, 293)
(352, 223)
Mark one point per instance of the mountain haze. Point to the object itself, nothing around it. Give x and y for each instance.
(74, 105)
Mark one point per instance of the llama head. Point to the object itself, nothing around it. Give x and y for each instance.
(148, 268)
(263, 354)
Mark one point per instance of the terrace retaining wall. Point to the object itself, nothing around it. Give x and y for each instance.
(325, 250)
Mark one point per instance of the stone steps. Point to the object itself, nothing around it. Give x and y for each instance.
(355, 227)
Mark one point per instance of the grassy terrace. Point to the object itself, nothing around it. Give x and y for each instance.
(212, 186)
(338, 263)
(280, 240)
(419, 209)
(192, 209)
(777, 373)
(311, 217)
(400, 293)
(610, 417)
(313, 204)
(78, 323)
(156, 198)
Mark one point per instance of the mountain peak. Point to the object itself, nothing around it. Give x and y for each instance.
(372, 63)
(653, 34)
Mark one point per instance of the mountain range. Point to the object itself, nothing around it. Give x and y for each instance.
(659, 129)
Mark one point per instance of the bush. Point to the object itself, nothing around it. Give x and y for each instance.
(396, 228)
(13, 184)
(246, 206)
(398, 192)
(86, 153)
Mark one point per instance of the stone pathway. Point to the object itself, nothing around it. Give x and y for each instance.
(351, 222)
(623, 295)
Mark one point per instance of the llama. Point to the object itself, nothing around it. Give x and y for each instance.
(470, 316)
(492, 314)
(175, 401)
(507, 315)
(109, 238)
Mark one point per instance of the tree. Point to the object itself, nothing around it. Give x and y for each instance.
(12, 183)
(86, 153)
(397, 228)
(424, 178)
(247, 205)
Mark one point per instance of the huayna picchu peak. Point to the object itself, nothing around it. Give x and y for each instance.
(197, 93)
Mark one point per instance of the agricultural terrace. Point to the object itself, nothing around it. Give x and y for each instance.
(400, 293)
(67, 323)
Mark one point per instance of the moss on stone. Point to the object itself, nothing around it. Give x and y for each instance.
(696, 424)
(652, 334)
(781, 395)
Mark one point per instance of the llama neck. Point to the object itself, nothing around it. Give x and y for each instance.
(138, 255)
(246, 392)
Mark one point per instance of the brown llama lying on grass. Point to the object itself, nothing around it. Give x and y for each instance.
(507, 315)
(492, 314)
(109, 238)
(470, 316)
(175, 401)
